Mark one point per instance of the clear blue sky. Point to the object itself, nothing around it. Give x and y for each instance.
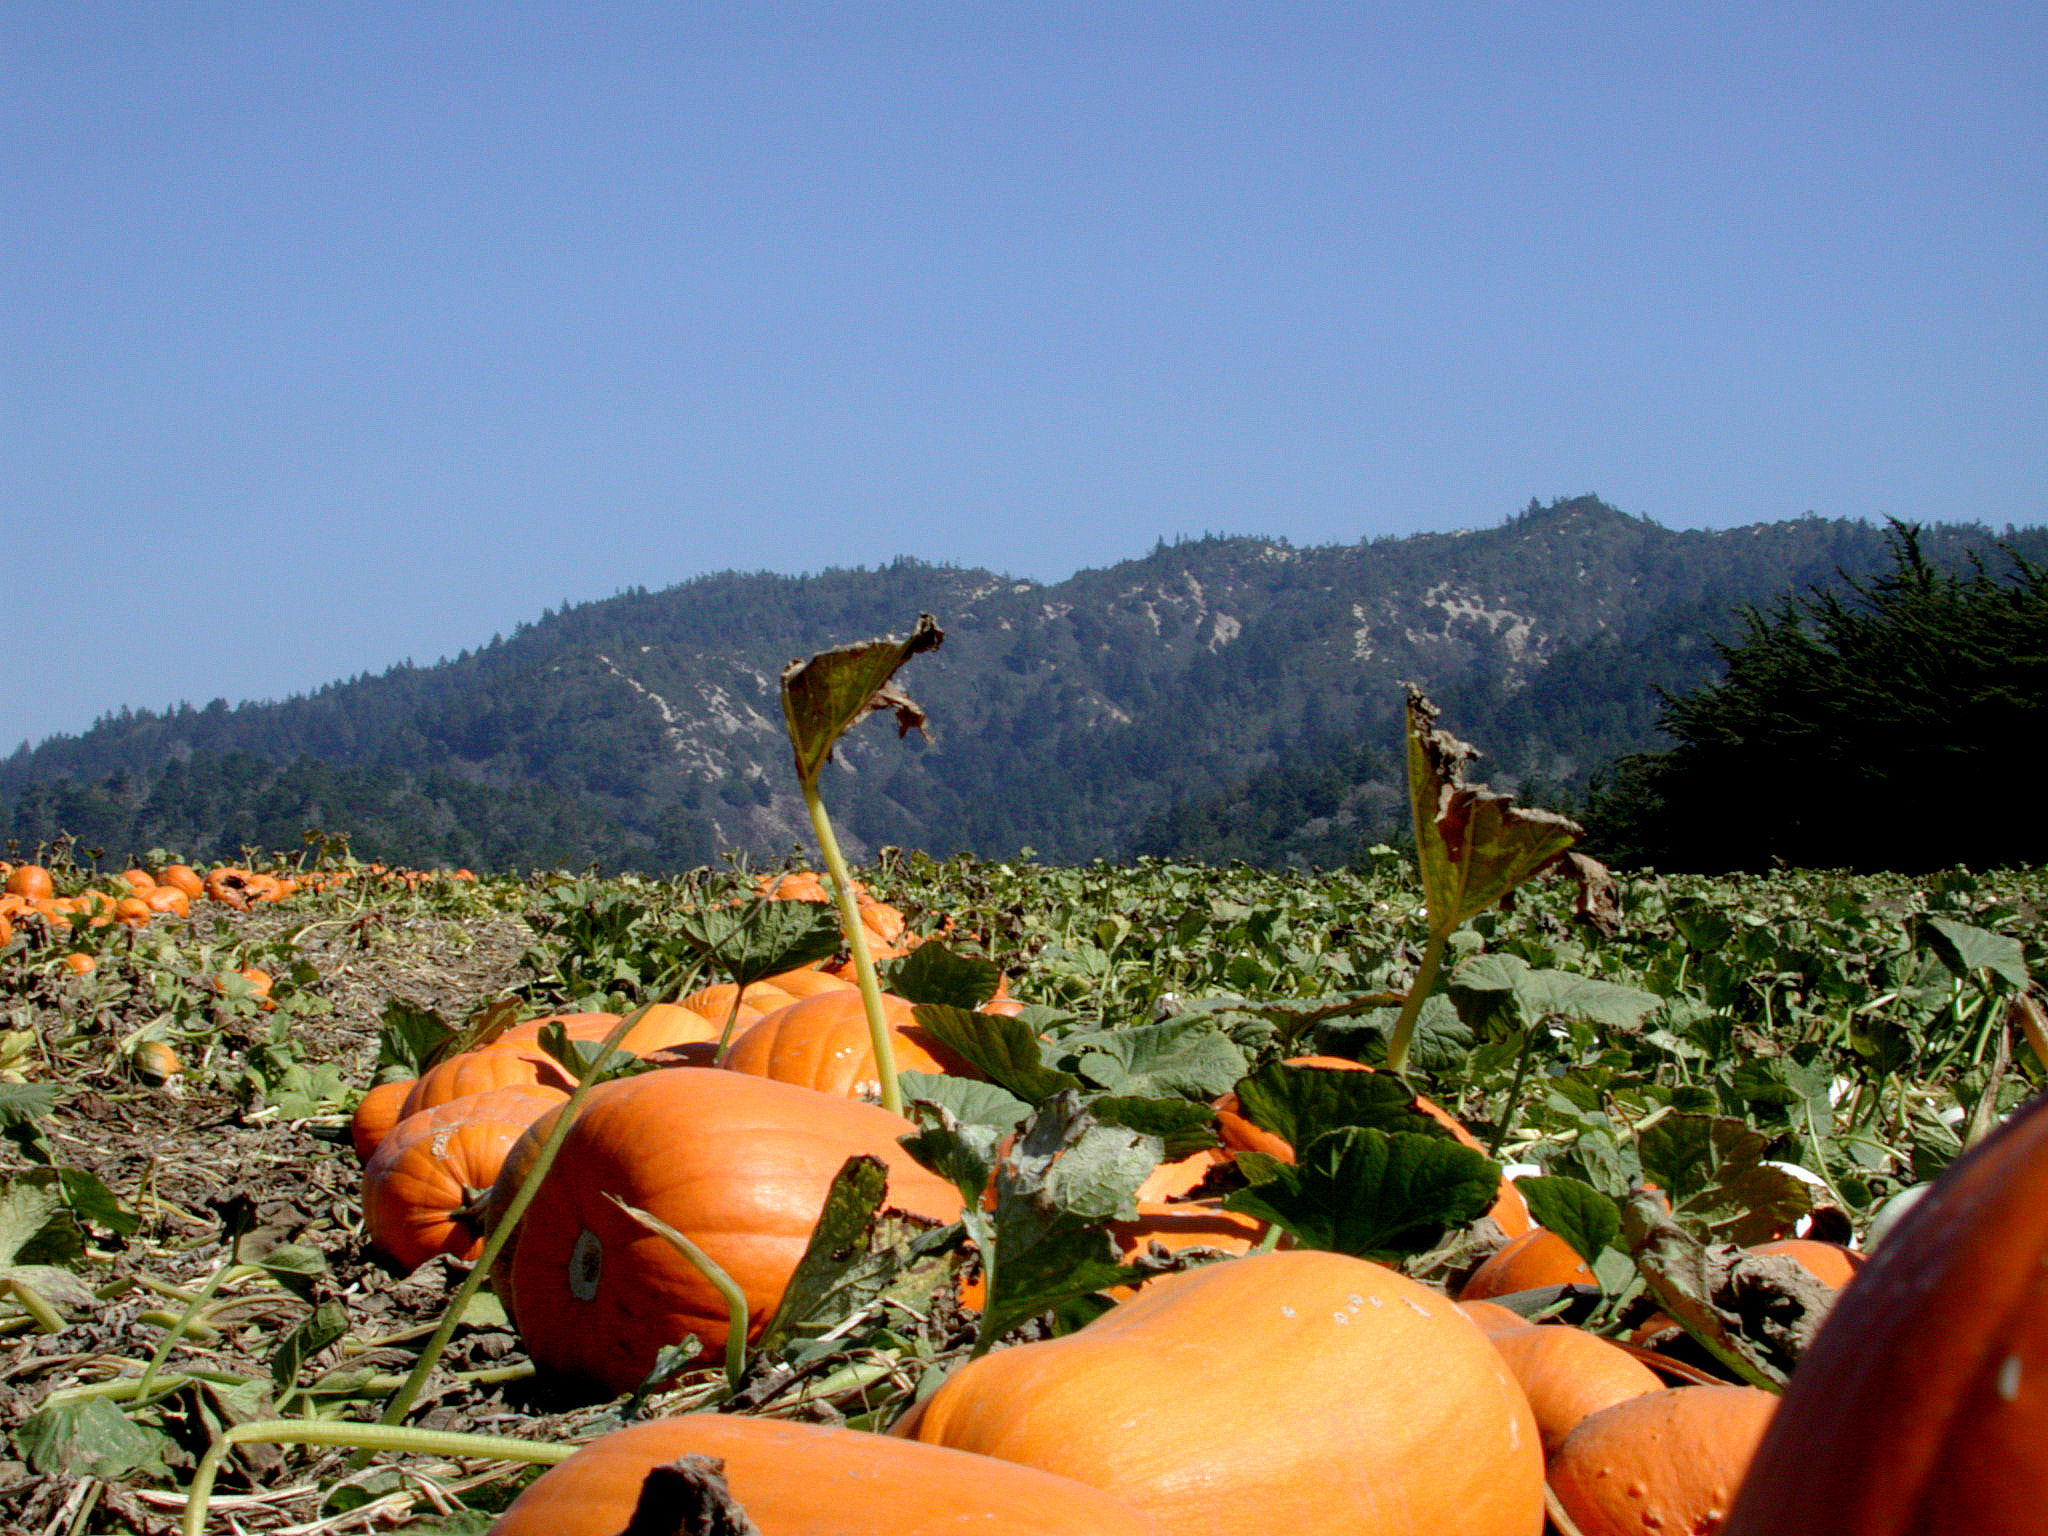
(336, 334)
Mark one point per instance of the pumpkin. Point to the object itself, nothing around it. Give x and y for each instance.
(822, 1042)
(817, 1480)
(1510, 1211)
(738, 1164)
(30, 880)
(659, 1026)
(1493, 1318)
(1538, 1257)
(495, 1066)
(1568, 1373)
(424, 1186)
(168, 898)
(375, 1113)
(1298, 1391)
(182, 877)
(1663, 1462)
(1922, 1404)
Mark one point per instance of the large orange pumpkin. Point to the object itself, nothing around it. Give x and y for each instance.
(1922, 1404)
(738, 1164)
(814, 1480)
(495, 1066)
(1663, 1462)
(376, 1113)
(1300, 1392)
(30, 880)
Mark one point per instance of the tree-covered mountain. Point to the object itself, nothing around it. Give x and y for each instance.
(1221, 697)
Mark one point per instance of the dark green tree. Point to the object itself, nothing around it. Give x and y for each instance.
(1880, 727)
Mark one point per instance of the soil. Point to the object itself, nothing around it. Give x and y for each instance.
(187, 1156)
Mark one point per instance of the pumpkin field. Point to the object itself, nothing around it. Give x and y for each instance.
(1480, 1190)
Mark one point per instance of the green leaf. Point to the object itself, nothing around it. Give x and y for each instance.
(36, 1227)
(1487, 983)
(1064, 1177)
(327, 1324)
(974, 1103)
(95, 1205)
(1575, 1211)
(762, 938)
(295, 1267)
(855, 1255)
(92, 1438)
(410, 1039)
(822, 697)
(1182, 1126)
(962, 1154)
(1371, 1194)
(22, 1108)
(1000, 1047)
(1964, 949)
(932, 973)
(1186, 1056)
(1299, 1103)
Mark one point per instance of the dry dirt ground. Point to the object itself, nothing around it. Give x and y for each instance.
(180, 1156)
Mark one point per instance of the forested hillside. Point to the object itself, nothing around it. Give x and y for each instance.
(1226, 697)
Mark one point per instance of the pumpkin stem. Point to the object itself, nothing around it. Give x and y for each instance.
(857, 942)
(1418, 992)
(367, 1437)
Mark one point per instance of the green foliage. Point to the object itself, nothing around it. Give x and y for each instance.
(1866, 731)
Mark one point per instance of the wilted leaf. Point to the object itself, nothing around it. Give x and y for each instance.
(1474, 846)
(1183, 1126)
(1371, 1194)
(411, 1039)
(822, 697)
(843, 1269)
(295, 1267)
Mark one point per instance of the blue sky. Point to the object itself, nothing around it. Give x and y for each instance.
(337, 334)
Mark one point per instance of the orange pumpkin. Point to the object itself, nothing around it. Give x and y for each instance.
(1922, 1404)
(660, 1026)
(1510, 1211)
(182, 877)
(1662, 1462)
(424, 1185)
(1538, 1257)
(495, 1066)
(168, 898)
(817, 1480)
(822, 1042)
(1569, 1374)
(1304, 1392)
(30, 880)
(738, 1164)
(375, 1113)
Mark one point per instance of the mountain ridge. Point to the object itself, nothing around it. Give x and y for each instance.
(1068, 716)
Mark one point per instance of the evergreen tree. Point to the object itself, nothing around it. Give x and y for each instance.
(1875, 729)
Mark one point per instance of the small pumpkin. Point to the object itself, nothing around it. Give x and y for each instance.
(424, 1186)
(1568, 1373)
(376, 1113)
(822, 1042)
(1665, 1461)
(1304, 1392)
(494, 1066)
(1538, 1257)
(817, 1480)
